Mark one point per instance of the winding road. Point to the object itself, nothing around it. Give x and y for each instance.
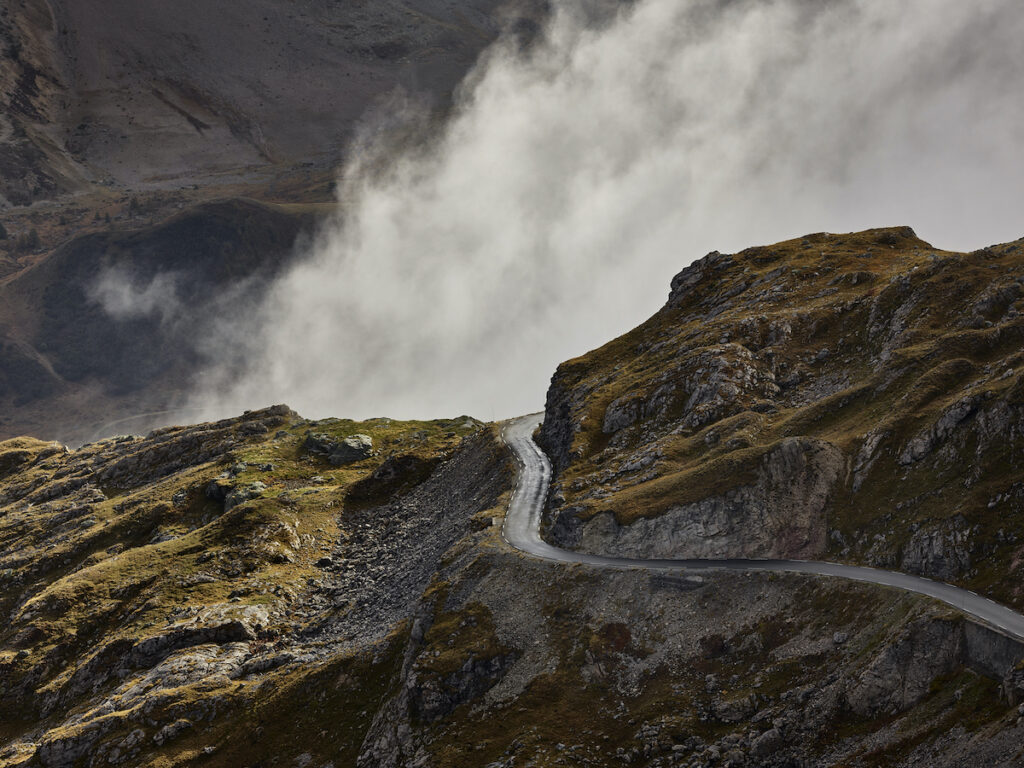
(522, 531)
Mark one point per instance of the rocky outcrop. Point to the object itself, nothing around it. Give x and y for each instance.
(561, 427)
(212, 625)
(925, 441)
(905, 670)
(243, 493)
(172, 449)
(347, 450)
(904, 358)
(939, 551)
(433, 698)
(717, 382)
(780, 515)
(700, 270)
(901, 674)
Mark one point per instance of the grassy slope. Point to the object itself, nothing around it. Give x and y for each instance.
(81, 573)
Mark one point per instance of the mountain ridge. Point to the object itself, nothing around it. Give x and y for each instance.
(785, 378)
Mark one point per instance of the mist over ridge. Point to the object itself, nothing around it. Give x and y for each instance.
(574, 179)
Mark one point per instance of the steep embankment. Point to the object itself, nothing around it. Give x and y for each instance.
(852, 397)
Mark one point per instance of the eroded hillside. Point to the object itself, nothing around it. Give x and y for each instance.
(852, 397)
(271, 591)
(207, 571)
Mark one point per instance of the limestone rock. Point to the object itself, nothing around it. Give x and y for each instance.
(352, 449)
(243, 493)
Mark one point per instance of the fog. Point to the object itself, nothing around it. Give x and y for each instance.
(550, 212)
(124, 297)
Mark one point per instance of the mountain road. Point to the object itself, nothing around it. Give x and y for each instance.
(523, 521)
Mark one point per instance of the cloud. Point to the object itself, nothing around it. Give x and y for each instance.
(125, 297)
(576, 178)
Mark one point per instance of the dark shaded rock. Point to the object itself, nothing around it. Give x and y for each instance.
(902, 673)
(350, 450)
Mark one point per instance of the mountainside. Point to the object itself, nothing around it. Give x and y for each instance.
(846, 397)
(150, 94)
(217, 574)
(271, 591)
(125, 124)
(113, 323)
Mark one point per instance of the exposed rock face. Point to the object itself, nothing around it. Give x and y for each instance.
(780, 515)
(940, 552)
(432, 699)
(925, 442)
(902, 673)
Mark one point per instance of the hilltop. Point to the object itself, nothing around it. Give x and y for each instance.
(849, 397)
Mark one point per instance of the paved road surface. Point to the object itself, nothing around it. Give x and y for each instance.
(522, 531)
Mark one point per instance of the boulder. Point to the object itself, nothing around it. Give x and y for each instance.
(319, 442)
(339, 452)
(243, 493)
(768, 743)
(351, 449)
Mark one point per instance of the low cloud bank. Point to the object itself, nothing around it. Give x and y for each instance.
(576, 178)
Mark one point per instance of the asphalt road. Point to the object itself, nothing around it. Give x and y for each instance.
(522, 531)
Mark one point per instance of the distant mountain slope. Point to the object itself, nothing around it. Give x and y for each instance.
(119, 116)
(150, 93)
(119, 318)
(856, 397)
